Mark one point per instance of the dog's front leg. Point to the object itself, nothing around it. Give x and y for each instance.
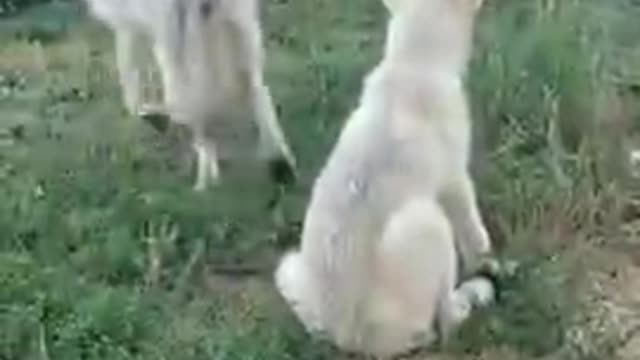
(472, 237)
(173, 79)
(207, 169)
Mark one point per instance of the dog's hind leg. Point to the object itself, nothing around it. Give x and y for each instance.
(127, 42)
(180, 104)
(416, 266)
(419, 267)
(173, 79)
(172, 76)
(207, 170)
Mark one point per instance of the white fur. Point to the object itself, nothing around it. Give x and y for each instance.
(634, 159)
(377, 268)
(210, 54)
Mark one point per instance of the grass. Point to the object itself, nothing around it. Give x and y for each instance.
(106, 253)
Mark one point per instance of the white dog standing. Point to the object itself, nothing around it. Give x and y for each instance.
(377, 269)
(211, 59)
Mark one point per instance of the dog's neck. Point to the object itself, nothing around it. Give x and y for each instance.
(406, 45)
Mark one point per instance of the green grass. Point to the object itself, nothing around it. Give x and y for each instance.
(88, 197)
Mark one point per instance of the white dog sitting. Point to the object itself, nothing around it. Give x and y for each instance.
(377, 269)
(210, 55)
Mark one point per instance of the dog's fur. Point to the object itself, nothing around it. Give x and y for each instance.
(377, 269)
(210, 55)
(634, 159)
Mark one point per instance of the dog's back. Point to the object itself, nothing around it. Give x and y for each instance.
(211, 59)
(200, 38)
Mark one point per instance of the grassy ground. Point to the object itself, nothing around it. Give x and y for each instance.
(106, 253)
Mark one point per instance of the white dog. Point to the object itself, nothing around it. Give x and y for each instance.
(210, 54)
(377, 269)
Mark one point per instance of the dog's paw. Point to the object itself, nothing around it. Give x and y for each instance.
(498, 272)
(480, 291)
